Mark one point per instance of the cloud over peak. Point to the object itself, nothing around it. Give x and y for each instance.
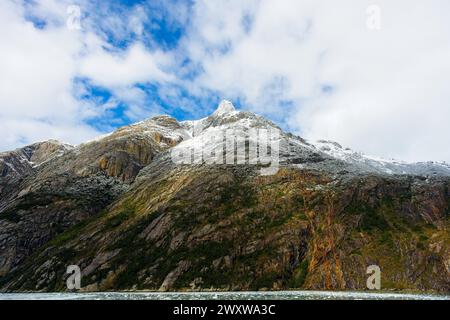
(319, 68)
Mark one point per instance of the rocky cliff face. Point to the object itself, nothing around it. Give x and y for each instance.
(39, 200)
(14, 164)
(131, 218)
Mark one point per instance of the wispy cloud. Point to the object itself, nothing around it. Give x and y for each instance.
(313, 66)
(317, 66)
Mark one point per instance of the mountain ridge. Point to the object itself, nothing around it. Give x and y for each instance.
(226, 110)
(132, 218)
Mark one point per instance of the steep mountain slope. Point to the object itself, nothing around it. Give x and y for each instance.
(132, 218)
(14, 164)
(42, 200)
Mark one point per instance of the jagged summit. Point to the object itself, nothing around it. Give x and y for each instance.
(224, 107)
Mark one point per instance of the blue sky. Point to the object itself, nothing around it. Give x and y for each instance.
(373, 80)
(160, 31)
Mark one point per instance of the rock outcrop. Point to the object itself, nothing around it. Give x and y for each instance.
(131, 218)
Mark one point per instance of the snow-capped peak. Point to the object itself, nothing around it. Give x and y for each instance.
(224, 107)
(320, 155)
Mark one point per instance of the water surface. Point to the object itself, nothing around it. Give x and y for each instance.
(259, 295)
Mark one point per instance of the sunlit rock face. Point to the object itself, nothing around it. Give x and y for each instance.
(132, 218)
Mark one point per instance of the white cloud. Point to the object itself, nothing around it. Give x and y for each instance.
(38, 98)
(37, 67)
(389, 93)
(21, 131)
(125, 68)
(120, 71)
(381, 92)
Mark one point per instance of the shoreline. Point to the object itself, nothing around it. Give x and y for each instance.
(226, 295)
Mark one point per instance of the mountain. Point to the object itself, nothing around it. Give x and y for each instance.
(158, 205)
(16, 163)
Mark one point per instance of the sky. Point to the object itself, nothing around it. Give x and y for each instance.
(371, 75)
